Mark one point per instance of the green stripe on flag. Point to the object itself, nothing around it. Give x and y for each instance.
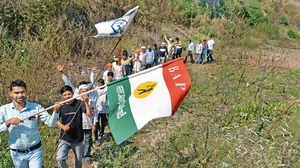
(121, 121)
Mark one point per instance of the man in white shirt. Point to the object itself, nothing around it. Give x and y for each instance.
(198, 52)
(210, 44)
(190, 52)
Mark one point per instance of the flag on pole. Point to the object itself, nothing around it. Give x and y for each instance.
(115, 27)
(139, 98)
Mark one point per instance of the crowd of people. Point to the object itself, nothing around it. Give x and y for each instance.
(82, 116)
(146, 57)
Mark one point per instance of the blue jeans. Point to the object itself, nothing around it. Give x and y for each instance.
(32, 159)
(198, 56)
(156, 62)
(87, 142)
(203, 57)
(63, 151)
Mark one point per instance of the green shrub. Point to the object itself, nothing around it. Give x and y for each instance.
(292, 34)
(254, 13)
(284, 20)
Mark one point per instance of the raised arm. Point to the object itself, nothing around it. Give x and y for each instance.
(64, 77)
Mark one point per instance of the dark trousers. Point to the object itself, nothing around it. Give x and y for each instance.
(148, 66)
(190, 54)
(104, 122)
(209, 56)
(178, 52)
(87, 142)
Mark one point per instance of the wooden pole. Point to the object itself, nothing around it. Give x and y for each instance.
(65, 101)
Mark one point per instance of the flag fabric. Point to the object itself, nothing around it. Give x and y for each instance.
(139, 98)
(115, 27)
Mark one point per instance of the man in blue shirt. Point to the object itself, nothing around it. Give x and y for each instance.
(24, 137)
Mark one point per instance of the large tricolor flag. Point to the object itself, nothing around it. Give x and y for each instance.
(139, 98)
(116, 27)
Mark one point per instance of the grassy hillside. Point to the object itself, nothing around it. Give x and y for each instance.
(223, 122)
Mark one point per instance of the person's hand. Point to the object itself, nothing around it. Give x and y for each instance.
(60, 68)
(66, 128)
(13, 121)
(57, 107)
(93, 128)
(85, 98)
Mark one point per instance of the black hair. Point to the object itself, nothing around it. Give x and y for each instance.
(110, 74)
(101, 81)
(125, 53)
(66, 88)
(83, 83)
(16, 83)
(155, 45)
(177, 38)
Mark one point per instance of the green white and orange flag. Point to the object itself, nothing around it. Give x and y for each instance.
(139, 98)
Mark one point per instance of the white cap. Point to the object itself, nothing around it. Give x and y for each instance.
(143, 47)
(83, 86)
(163, 43)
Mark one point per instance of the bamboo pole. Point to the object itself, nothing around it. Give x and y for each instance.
(65, 101)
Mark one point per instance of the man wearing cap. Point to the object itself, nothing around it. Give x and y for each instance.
(150, 57)
(137, 62)
(143, 56)
(24, 138)
(163, 52)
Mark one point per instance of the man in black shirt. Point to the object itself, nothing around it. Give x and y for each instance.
(163, 53)
(71, 127)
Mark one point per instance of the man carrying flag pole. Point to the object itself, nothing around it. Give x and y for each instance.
(164, 85)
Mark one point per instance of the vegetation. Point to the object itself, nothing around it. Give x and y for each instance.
(227, 120)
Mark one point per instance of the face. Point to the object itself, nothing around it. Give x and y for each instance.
(124, 57)
(99, 84)
(67, 95)
(109, 68)
(109, 78)
(18, 94)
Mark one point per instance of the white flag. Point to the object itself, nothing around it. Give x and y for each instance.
(116, 27)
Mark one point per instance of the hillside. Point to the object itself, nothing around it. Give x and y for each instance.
(226, 119)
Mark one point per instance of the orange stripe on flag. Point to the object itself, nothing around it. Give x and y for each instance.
(177, 80)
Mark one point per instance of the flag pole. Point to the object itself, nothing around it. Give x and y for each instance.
(65, 101)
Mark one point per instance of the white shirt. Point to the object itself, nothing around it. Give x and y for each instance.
(143, 57)
(191, 47)
(102, 101)
(118, 70)
(210, 44)
(105, 76)
(137, 64)
(199, 48)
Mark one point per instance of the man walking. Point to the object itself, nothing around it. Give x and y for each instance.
(163, 53)
(198, 52)
(24, 137)
(190, 52)
(71, 127)
(210, 44)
